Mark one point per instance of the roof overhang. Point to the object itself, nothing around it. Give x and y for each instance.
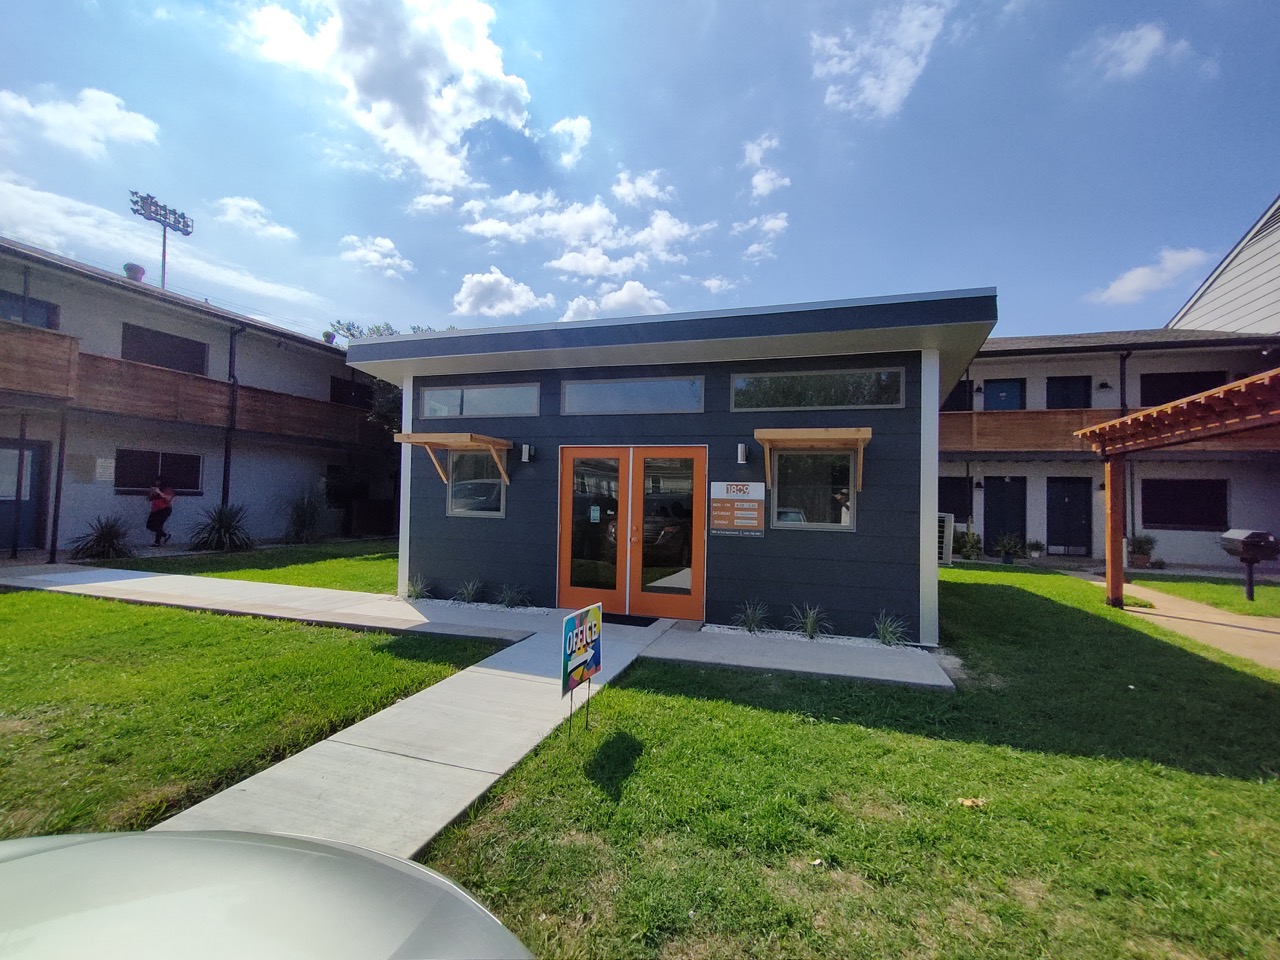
(465, 442)
(955, 323)
(1243, 407)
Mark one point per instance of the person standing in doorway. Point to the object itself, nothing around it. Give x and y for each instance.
(160, 497)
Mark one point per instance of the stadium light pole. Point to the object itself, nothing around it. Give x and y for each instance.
(149, 208)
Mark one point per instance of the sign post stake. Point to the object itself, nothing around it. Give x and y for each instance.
(580, 652)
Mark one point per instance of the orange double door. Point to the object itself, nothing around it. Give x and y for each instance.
(633, 524)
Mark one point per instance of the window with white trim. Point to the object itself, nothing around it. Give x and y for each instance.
(829, 390)
(503, 400)
(137, 470)
(476, 488)
(812, 489)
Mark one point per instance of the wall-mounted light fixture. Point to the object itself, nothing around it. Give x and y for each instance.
(526, 452)
(1102, 485)
(742, 453)
(977, 485)
(1104, 385)
(977, 388)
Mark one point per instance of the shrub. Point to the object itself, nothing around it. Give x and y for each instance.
(1142, 545)
(513, 595)
(968, 545)
(418, 589)
(891, 629)
(752, 616)
(223, 528)
(1009, 543)
(809, 620)
(107, 539)
(305, 513)
(470, 591)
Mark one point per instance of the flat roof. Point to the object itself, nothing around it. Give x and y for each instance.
(1160, 338)
(953, 322)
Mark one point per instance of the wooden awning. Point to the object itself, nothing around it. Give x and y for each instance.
(468, 442)
(1245, 405)
(813, 438)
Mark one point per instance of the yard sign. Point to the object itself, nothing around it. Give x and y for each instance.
(582, 637)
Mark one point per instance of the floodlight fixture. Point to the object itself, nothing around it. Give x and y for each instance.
(149, 208)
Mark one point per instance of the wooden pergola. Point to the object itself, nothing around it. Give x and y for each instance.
(1248, 407)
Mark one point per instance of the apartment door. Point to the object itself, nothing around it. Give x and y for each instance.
(1069, 514)
(633, 529)
(1004, 509)
(29, 514)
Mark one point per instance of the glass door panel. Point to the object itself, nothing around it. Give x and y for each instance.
(667, 526)
(593, 509)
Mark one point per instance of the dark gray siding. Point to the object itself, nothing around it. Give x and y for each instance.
(851, 575)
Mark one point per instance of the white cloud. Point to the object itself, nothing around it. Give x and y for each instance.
(514, 202)
(764, 179)
(1134, 285)
(582, 308)
(577, 130)
(718, 284)
(577, 225)
(61, 224)
(252, 216)
(1125, 54)
(376, 253)
(416, 75)
(770, 226)
(85, 125)
(429, 203)
(872, 74)
(493, 294)
(594, 262)
(643, 187)
(663, 232)
(631, 299)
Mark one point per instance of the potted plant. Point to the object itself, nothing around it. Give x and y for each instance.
(1008, 545)
(1140, 547)
(1034, 548)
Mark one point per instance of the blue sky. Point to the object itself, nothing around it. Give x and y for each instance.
(437, 162)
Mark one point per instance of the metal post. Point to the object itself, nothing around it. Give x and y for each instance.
(57, 488)
(164, 251)
(1248, 580)
(586, 722)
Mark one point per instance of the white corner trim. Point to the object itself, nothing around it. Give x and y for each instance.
(406, 426)
(930, 371)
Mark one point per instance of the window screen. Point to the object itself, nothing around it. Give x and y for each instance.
(144, 345)
(959, 399)
(1157, 389)
(955, 496)
(1069, 393)
(136, 471)
(1185, 505)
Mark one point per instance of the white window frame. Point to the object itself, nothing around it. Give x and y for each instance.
(702, 399)
(451, 511)
(777, 524)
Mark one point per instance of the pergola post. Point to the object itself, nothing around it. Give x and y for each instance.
(1113, 473)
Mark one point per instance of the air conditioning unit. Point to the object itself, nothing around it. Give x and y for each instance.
(946, 533)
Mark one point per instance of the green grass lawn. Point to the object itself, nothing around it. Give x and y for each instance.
(367, 566)
(114, 716)
(1220, 592)
(1123, 792)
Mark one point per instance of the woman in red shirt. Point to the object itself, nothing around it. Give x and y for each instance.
(161, 499)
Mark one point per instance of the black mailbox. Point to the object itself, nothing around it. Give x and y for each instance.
(1250, 547)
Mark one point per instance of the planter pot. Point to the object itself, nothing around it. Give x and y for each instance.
(1035, 554)
(1139, 561)
(1006, 558)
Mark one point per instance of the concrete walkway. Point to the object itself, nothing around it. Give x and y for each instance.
(392, 782)
(1254, 638)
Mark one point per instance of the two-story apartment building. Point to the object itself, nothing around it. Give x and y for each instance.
(1009, 462)
(107, 382)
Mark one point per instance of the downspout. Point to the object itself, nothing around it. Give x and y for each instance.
(57, 488)
(26, 294)
(231, 416)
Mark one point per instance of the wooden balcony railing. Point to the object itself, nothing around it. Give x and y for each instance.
(108, 385)
(37, 361)
(285, 415)
(1018, 430)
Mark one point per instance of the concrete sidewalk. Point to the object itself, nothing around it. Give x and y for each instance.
(1254, 638)
(392, 782)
